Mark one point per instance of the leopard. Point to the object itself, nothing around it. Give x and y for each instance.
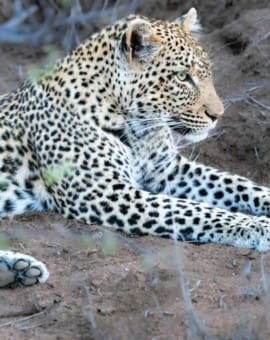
(96, 139)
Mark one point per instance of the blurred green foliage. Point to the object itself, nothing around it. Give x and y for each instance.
(109, 244)
(85, 242)
(65, 3)
(4, 185)
(4, 244)
(37, 74)
(55, 174)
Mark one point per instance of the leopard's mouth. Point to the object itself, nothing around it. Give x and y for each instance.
(192, 135)
(183, 130)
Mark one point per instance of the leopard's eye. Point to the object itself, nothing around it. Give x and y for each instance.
(183, 76)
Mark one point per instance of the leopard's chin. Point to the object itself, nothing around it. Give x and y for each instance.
(196, 137)
(192, 135)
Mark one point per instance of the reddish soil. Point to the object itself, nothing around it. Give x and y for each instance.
(110, 286)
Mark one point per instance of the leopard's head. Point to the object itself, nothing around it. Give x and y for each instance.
(167, 76)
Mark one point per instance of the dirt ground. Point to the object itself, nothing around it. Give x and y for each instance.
(109, 286)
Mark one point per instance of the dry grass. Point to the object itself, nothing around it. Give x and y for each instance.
(63, 22)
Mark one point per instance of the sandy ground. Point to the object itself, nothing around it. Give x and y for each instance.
(110, 286)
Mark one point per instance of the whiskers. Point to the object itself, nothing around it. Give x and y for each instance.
(135, 128)
(140, 126)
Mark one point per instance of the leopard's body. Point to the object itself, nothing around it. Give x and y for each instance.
(61, 148)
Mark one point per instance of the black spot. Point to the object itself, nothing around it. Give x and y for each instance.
(181, 221)
(95, 220)
(218, 194)
(198, 171)
(149, 224)
(203, 192)
(196, 220)
(137, 195)
(245, 197)
(118, 186)
(169, 221)
(133, 219)
(106, 207)
(138, 231)
(123, 209)
(185, 168)
(237, 198)
(114, 220)
(256, 202)
(170, 177)
(201, 235)
(161, 230)
(196, 183)
(241, 188)
(180, 238)
(83, 209)
(188, 213)
(140, 207)
(19, 194)
(214, 177)
(154, 214)
(187, 233)
(257, 189)
(113, 197)
(82, 102)
(8, 206)
(165, 236)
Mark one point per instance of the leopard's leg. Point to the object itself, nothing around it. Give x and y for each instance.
(187, 179)
(161, 170)
(118, 205)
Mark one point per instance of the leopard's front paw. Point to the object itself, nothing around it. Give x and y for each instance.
(19, 269)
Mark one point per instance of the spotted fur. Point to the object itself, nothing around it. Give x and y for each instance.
(95, 141)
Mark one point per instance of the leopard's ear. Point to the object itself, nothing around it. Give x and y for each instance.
(139, 42)
(190, 23)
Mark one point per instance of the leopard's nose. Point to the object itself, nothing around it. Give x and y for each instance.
(213, 105)
(213, 117)
(215, 108)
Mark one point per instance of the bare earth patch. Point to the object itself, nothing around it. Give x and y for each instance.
(105, 285)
